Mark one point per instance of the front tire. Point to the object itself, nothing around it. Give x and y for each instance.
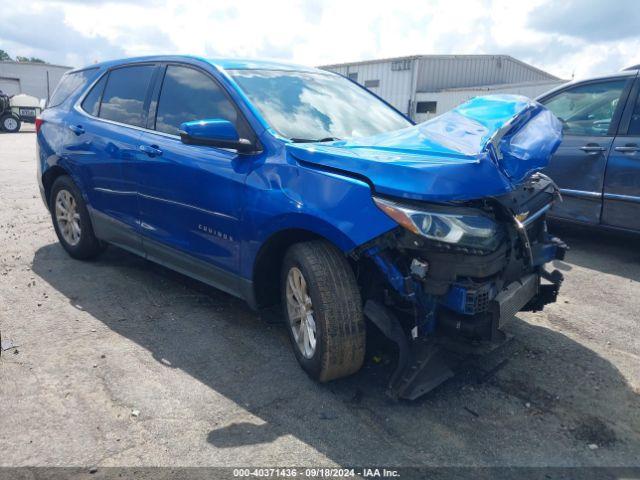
(71, 220)
(323, 310)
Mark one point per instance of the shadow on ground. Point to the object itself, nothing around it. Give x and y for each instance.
(607, 252)
(541, 405)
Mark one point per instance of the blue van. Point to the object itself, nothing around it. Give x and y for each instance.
(296, 188)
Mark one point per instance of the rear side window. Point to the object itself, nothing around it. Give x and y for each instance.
(91, 103)
(188, 94)
(125, 94)
(69, 83)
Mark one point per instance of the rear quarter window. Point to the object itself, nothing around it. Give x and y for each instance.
(70, 83)
(91, 103)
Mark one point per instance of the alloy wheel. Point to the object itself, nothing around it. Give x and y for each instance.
(300, 311)
(68, 217)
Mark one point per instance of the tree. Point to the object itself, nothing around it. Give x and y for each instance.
(5, 57)
(29, 59)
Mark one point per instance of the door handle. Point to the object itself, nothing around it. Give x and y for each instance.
(592, 149)
(77, 129)
(151, 150)
(629, 148)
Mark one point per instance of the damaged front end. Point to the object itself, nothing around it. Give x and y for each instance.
(455, 274)
(470, 246)
(470, 251)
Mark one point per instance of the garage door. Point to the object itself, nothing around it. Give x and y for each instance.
(10, 86)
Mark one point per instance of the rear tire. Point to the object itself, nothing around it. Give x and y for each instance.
(10, 123)
(328, 294)
(71, 220)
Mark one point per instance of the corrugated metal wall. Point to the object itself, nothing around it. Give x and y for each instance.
(29, 78)
(433, 73)
(437, 73)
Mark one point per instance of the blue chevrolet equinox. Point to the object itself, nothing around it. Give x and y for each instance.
(303, 193)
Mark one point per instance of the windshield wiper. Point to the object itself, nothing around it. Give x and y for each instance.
(318, 140)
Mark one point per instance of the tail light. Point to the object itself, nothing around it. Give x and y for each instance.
(39, 123)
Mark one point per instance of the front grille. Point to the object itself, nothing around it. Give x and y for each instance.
(470, 298)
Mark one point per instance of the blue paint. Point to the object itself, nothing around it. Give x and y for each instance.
(450, 157)
(393, 275)
(407, 287)
(210, 129)
(456, 299)
(426, 309)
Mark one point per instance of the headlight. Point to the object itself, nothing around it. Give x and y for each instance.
(468, 230)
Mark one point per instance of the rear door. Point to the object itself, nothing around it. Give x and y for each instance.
(622, 180)
(191, 196)
(589, 113)
(107, 150)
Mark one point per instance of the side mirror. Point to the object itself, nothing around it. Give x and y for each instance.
(215, 133)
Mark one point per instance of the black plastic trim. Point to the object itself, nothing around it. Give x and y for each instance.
(108, 229)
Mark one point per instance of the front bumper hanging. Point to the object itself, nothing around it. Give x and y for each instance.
(426, 362)
(466, 320)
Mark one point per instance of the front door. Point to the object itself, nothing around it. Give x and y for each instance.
(191, 197)
(622, 181)
(588, 113)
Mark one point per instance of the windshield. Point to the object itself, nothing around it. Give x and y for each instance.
(310, 106)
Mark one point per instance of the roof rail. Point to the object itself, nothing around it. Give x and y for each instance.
(632, 67)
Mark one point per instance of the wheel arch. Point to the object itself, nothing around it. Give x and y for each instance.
(268, 263)
(49, 176)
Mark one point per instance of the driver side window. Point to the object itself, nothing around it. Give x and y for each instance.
(188, 94)
(587, 110)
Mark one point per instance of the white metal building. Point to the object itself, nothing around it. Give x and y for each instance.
(36, 79)
(426, 85)
(452, 97)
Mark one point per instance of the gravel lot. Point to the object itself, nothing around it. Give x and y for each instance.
(121, 362)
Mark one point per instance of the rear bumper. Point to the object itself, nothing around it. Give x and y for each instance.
(40, 176)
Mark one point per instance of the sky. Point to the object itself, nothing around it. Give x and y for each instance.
(567, 38)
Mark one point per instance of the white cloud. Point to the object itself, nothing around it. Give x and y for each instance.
(315, 32)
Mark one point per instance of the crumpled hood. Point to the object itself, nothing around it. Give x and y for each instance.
(484, 147)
